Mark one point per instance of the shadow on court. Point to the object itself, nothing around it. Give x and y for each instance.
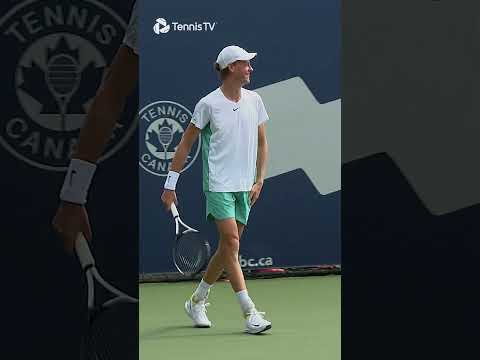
(187, 330)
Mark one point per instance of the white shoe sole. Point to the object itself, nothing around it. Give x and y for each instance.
(191, 317)
(258, 330)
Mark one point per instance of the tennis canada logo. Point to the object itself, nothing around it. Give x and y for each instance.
(162, 124)
(57, 58)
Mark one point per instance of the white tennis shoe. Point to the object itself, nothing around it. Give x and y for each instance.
(197, 311)
(256, 323)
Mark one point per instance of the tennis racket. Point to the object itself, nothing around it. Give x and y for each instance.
(191, 251)
(112, 331)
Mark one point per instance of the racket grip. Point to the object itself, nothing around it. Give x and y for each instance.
(83, 251)
(174, 210)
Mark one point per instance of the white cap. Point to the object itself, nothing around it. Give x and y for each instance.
(231, 54)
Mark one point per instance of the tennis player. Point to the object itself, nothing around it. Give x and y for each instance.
(231, 123)
(71, 217)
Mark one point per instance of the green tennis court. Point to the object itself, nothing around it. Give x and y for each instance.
(304, 311)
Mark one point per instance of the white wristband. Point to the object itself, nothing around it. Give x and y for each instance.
(77, 181)
(171, 181)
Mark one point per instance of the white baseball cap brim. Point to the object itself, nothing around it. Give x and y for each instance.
(233, 53)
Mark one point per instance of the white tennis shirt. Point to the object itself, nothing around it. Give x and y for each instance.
(229, 139)
(130, 38)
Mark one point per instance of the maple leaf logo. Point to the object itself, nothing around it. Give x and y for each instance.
(162, 136)
(63, 86)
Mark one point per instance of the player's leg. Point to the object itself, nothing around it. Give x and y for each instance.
(237, 280)
(216, 265)
(255, 322)
(227, 252)
(231, 214)
(240, 228)
(219, 205)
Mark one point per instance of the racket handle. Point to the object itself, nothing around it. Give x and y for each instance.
(83, 251)
(174, 210)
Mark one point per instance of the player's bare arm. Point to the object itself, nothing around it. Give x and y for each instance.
(108, 105)
(188, 139)
(262, 156)
(121, 79)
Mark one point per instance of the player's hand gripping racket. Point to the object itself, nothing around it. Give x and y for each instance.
(191, 251)
(112, 327)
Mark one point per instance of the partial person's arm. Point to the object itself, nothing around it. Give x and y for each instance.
(108, 105)
(71, 217)
(262, 157)
(188, 139)
(262, 154)
(183, 149)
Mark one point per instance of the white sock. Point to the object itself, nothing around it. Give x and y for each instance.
(201, 293)
(245, 302)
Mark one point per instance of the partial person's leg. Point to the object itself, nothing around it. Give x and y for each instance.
(255, 321)
(240, 228)
(243, 298)
(218, 206)
(216, 265)
(230, 212)
(226, 256)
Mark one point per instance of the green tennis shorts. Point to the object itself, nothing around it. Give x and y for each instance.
(226, 205)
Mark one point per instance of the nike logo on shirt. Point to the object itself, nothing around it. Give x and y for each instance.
(236, 109)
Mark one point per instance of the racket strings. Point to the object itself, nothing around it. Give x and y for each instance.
(113, 333)
(189, 256)
(191, 253)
